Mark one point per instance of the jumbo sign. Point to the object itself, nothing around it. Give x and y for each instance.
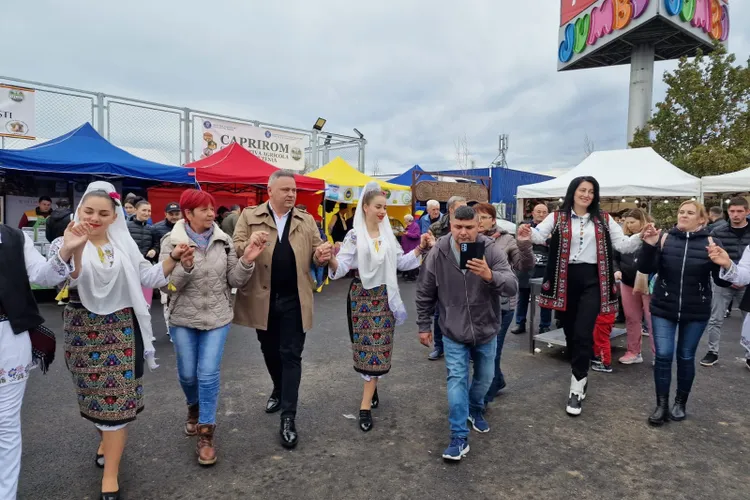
(584, 24)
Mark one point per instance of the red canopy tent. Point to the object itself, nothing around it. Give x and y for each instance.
(236, 176)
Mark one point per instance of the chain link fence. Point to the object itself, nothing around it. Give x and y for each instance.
(157, 132)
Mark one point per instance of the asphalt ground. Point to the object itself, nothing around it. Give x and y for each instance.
(534, 450)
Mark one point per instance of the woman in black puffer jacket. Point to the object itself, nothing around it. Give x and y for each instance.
(681, 298)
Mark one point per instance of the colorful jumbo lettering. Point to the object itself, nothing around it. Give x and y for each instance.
(712, 16)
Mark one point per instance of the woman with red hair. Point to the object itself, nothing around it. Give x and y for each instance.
(200, 309)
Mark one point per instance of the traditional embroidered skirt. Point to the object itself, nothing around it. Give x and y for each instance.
(104, 353)
(371, 325)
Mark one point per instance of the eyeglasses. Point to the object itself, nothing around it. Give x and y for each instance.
(485, 217)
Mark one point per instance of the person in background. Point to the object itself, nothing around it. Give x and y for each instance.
(278, 301)
(230, 220)
(143, 235)
(220, 214)
(439, 229)
(469, 303)
(172, 214)
(681, 301)
(521, 259)
(409, 241)
(340, 223)
(635, 302)
(602, 360)
(21, 331)
(715, 218)
(734, 237)
(129, 208)
(38, 214)
(579, 280)
(201, 309)
(58, 220)
(430, 217)
(541, 251)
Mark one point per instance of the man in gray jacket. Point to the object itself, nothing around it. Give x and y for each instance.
(468, 301)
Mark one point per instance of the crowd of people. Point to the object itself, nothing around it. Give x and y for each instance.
(258, 269)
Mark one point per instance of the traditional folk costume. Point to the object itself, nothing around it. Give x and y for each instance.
(107, 325)
(579, 282)
(374, 302)
(23, 341)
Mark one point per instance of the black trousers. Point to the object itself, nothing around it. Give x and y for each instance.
(282, 346)
(579, 318)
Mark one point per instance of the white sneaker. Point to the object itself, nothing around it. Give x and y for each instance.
(631, 359)
(576, 395)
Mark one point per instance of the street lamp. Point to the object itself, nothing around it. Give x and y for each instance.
(319, 124)
(361, 136)
(327, 142)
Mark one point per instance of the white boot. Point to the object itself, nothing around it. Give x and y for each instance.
(576, 395)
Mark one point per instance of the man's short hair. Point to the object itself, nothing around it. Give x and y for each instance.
(234, 207)
(717, 211)
(455, 199)
(45, 198)
(278, 175)
(464, 213)
(63, 203)
(738, 201)
(433, 203)
(141, 204)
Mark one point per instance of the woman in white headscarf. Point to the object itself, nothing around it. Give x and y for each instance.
(375, 305)
(108, 335)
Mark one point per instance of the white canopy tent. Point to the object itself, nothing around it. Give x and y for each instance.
(626, 172)
(736, 182)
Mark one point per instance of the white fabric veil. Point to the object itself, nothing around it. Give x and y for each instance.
(104, 289)
(379, 267)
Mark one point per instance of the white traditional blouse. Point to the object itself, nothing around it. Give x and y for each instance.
(15, 350)
(347, 257)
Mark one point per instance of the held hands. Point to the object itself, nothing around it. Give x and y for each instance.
(151, 254)
(480, 268)
(523, 233)
(323, 253)
(719, 256)
(426, 241)
(76, 235)
(183, 253)
(425, 338)
(618, 276)
(650, 234)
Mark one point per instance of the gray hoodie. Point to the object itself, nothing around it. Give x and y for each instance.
(469, 307)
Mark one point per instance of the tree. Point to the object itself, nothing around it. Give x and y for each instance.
(376, 168)
(588, 146)
(703, 124)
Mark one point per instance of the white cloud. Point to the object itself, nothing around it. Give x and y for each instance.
(411, 75)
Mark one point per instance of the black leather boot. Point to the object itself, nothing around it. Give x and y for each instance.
(661, 413)
(678, 410)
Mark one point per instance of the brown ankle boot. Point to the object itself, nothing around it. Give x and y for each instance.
(206, 450)
(192, 421)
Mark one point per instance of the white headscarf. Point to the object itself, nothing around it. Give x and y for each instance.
(104, 289)
(379, 267)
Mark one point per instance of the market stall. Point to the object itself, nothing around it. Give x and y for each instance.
(733, 183)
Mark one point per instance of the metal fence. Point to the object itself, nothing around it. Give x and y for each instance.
(157, 132)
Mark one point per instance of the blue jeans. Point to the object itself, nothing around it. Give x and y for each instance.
(499, 381)
(664, 332)
(198, 363)
(522, 309)
(462, 399)
(437, 335)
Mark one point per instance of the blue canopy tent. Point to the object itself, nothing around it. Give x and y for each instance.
(405, 179)
(84, 152)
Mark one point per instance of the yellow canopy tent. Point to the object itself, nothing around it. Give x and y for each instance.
(344, 183)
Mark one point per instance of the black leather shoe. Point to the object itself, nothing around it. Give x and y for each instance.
(100, 461)
(519, 329)
(661, 413)
(115, 495)
(678, 410)
(365, 420)
(375, 400)
(288, 433)
(273, 404)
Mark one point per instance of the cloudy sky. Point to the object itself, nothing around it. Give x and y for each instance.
(412, 75)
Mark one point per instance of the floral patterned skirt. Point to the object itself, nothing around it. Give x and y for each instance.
(371, 325)
(104, 353)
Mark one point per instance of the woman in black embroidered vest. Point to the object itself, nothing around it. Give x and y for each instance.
(579, 281)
